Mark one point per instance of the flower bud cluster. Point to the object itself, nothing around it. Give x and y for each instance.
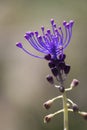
(57, 65)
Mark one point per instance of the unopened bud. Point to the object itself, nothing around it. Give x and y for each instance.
(54, 71)
(48, 57)
(48, 104)
(61, 89)
(48, 118)
(74, 83)
(50, 79)
(75, 108)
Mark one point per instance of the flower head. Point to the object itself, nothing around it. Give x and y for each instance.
(51, 42)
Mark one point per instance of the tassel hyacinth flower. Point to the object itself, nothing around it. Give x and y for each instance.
(52, 44)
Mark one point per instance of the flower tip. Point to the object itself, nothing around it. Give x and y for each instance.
(42, 28)
(59, 27)
(64, 23)
(52, 21)
(71, 22)
(26, 36)
(18, 44)
(67, 25)
(49, 31)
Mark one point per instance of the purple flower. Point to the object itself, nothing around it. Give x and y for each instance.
(51, 42)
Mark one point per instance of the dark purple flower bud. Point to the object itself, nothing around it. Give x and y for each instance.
(50, 79)
(48, 31)
(18, 44)
(36, 33)
(54, 71)
(67, 69)
(62, 57)
(51, 64)
(71, 23)
(61, 89)
(64, 23)
(67, 25)
(52, 21)
(54, 25)
(59, 28)
(42, 28)
(47, 57)
(61, 65)
(28, 35)
(75, 108)
(39, 38)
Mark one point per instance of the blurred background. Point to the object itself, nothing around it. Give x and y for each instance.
(23, 87)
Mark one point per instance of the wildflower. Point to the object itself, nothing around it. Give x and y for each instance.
(52, 42)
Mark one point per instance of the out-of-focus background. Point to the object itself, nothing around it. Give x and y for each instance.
(23, 87)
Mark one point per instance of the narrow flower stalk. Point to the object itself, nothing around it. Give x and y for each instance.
(70, 101)
(49, 103)
(68, 89)
(66, 123)
(58, 112)
(48, 118)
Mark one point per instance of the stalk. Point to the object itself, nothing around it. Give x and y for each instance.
(66, 124)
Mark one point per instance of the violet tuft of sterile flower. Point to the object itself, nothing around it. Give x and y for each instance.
(51, 43)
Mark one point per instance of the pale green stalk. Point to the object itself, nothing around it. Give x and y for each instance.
(66, 124)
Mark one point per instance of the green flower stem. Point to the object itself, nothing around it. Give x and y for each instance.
(66, 125)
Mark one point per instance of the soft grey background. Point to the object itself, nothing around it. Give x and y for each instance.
(23, 87)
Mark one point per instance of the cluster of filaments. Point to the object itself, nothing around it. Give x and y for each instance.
(52, 41)
(59, 71)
